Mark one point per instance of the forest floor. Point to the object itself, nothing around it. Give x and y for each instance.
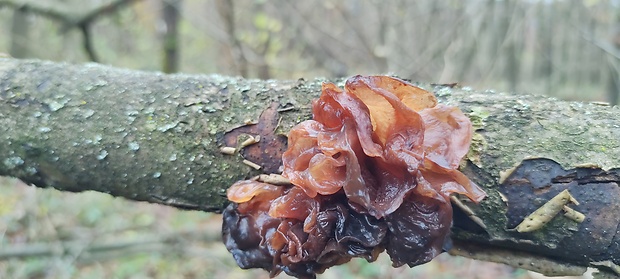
(46, 233)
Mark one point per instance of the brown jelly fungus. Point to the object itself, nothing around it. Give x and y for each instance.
(372, 171)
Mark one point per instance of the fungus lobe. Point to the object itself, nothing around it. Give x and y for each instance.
(372, 171)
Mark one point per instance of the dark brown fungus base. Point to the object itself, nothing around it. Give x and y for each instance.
(372, 171)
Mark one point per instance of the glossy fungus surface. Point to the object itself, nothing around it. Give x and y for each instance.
(372, 171)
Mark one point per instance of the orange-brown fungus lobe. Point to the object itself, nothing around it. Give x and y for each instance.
(372, 171)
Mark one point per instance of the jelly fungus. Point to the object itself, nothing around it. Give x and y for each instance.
(372, 171)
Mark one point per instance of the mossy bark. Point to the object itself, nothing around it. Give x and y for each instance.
(143, 136)
(152, 137)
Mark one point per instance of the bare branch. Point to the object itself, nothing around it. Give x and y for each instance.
(88, 44)
(157, 138)
(71, 19)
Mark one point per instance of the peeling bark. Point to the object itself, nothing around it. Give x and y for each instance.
(153, 137)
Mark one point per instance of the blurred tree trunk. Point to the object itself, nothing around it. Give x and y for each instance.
(473, 44)
(563, 34)
(263, 70)
(170, 15)
(598, 75)
(512, 43)
(20, 33)
(613, 83)
(381, 47)
(613, 88)
(547, 46)
(226, 10)
(152, 137)
(579, 45)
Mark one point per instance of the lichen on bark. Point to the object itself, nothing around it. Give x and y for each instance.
(144, 136)
(154, 137)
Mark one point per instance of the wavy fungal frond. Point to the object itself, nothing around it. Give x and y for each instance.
(372, 171)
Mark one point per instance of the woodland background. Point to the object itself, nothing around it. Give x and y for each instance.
(566, 49)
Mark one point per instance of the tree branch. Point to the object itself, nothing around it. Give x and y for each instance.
(153, 137)
(65, 15)
(50, 11)
(103, 10)
(70, 19)
(170, 14)
(91, 250)
(88, 43)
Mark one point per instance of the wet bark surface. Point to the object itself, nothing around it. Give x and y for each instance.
(152, 137)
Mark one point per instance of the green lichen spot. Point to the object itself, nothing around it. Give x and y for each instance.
(150, 125)
(477, 116)
(213, 128)
(477, 147)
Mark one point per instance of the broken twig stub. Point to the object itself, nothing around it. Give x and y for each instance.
(539, 189)
(550, 209)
